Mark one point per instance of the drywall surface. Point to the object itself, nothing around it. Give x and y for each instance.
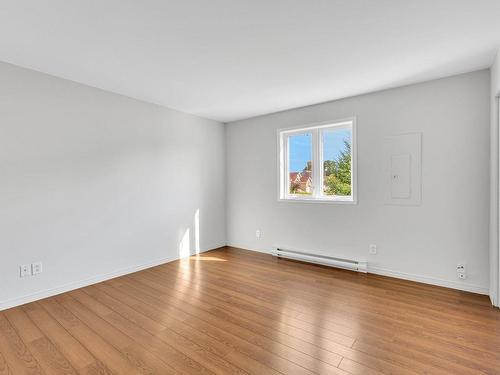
(494, 165)
(94, 184)
(423, 243)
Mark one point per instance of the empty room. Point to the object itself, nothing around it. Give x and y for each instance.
(249, 187)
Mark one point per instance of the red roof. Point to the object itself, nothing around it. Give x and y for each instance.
(301, 176)
(304, 176)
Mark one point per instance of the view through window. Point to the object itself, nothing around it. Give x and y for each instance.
(317, 163)
(300, 161)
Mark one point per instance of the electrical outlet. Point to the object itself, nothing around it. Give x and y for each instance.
(24, 270)
(36, 268)
(372, 249)
(258, 233)
(462, 271)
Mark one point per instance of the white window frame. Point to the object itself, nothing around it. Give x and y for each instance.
(316, 130)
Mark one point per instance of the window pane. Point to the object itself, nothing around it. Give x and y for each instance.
(337, 162)
(300, 164)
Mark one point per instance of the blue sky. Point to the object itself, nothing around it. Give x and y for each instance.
(301, 147)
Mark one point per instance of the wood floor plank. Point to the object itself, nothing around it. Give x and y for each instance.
(246, 326)
(436, 360)
(285, 334)
(4, 367)
(47, 355)
(344, 290)
(25, 328)
(206, 314)
(272, 354)
(97, 368)
(471, 338)
(93, 342)
(423, 362)
(176, 320)
(231, 311)
(261, 314)
(214, 284)
(298, 272)
(77, 355)
(18, 357)
(49, 358)
(189, 348)
(110, 325)
(356, 368)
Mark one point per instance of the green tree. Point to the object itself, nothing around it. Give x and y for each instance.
(330, 166)
(308, 167)
(294, 187)
(338, 172)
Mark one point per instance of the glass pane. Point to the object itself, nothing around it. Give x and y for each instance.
(300, 164)
(337, 162)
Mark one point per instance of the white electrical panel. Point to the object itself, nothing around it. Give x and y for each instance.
(401, 176)
(403, 169)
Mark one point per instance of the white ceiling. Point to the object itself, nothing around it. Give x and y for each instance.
(233, 59)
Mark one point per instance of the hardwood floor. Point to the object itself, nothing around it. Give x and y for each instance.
(231, 311)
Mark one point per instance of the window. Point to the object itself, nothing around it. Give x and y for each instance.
(318, 163)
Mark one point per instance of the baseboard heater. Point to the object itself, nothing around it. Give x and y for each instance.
(349, 264)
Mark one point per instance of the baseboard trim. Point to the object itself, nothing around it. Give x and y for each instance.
(401, 275)
(89, 281)
(493, 298)
(428, 280)
(249, 248)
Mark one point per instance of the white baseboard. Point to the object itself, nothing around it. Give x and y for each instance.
(429, 280)
(401, 275)
(86, 282)
(493, 298)
(249, 248)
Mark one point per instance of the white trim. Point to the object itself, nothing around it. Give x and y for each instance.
(336, 200)
(249, 248)
(316, 165)
(429, 280)
(399, 275)
(320, 124)
(316, 129)
(7, 304)
(495, 290)
(496, 299)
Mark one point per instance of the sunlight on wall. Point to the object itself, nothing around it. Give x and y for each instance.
(185, 249)
(184, 245)
(197, 231)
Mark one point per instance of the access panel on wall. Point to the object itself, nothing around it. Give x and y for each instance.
(403, 169)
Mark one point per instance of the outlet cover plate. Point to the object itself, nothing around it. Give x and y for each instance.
(24, 270)
(36, 268)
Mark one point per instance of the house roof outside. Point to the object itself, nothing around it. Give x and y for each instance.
(301, 177)
(304, 176)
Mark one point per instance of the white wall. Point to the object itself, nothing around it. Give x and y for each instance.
(94, 184)
(422, 243)
(494, 165)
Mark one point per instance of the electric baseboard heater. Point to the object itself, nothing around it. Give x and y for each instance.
(349, 264)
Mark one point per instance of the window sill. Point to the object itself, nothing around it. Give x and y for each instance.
(316, 200)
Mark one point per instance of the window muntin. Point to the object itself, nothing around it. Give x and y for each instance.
(317, 163)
